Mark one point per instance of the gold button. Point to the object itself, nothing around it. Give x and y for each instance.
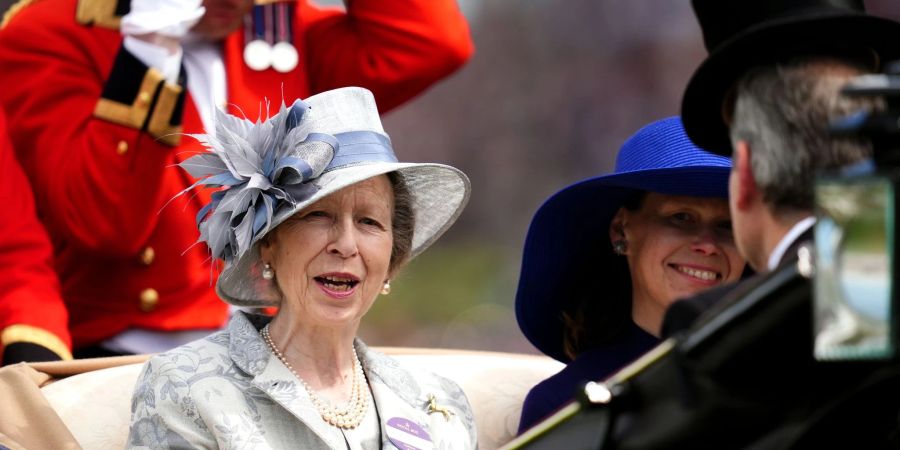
(122, 147)
(149, 299)
(148, 255)
(144, 97)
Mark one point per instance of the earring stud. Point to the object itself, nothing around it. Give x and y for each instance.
(386, 289)
(620, 247)
(268, 273)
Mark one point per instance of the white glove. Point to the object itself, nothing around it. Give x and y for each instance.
(170, 18)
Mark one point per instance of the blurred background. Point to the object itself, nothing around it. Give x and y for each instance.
(553, 90)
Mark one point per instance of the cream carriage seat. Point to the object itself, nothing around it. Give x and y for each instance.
(96, 405)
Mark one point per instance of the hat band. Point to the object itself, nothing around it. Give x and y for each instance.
(354, 147)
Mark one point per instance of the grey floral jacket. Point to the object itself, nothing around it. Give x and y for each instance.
(229, 391)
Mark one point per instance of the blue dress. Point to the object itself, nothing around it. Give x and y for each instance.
(596, 364)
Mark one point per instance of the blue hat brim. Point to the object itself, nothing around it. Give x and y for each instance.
(577, 219)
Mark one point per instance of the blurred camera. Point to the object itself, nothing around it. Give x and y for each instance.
(854, 289)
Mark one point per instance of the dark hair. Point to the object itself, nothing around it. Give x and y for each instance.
(591, 321)
(404, 221)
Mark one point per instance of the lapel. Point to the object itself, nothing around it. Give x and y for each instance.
(396, 392)
(249, 352)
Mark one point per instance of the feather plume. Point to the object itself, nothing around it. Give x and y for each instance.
(257, 168)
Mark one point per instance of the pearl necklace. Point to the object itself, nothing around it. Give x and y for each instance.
(348, 417)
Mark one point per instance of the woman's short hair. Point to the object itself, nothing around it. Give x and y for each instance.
(404, 221)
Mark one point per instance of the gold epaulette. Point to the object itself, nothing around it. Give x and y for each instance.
(154, 105)
(13, 10)
(101, 13)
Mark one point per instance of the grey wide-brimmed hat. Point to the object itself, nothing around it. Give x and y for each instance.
(274, 168)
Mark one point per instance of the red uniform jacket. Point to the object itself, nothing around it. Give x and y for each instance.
(97, 133)
(29, 290)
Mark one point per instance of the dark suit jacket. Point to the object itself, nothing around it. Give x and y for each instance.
(682, 314)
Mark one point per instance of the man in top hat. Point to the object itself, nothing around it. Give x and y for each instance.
(99, 94)
(765, 96)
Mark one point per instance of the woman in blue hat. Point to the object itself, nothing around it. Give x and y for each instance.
(604, 257)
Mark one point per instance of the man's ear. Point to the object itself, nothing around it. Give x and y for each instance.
(745, 189)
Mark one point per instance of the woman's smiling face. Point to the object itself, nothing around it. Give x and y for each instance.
(332, 258)
(676, 247)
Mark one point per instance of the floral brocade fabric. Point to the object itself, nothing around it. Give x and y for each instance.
(228, 391)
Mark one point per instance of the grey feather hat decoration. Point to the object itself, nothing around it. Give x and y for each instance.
(266, 171)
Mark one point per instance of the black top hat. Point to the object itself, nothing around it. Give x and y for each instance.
(742, 34)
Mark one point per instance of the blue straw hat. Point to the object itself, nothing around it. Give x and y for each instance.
(572, 226)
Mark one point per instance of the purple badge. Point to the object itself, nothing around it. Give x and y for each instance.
(406, 435)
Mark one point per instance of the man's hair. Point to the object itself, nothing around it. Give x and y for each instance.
(783, 112)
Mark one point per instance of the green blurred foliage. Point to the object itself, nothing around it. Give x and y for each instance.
(453, 295)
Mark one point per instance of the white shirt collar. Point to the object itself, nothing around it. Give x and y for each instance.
(788, 239)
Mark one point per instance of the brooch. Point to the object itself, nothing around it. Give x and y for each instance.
(433, 407)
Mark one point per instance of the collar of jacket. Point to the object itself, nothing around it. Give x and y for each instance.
(395, 391)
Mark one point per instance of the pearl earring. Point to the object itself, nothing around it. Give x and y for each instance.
(267, 272)
(386, 289)
(620, 247)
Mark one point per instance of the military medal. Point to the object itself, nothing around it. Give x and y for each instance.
(257, 51)
(269, 37)
(284, 55)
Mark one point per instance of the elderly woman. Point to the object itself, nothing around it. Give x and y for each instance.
(604, 258)
(316, 217)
